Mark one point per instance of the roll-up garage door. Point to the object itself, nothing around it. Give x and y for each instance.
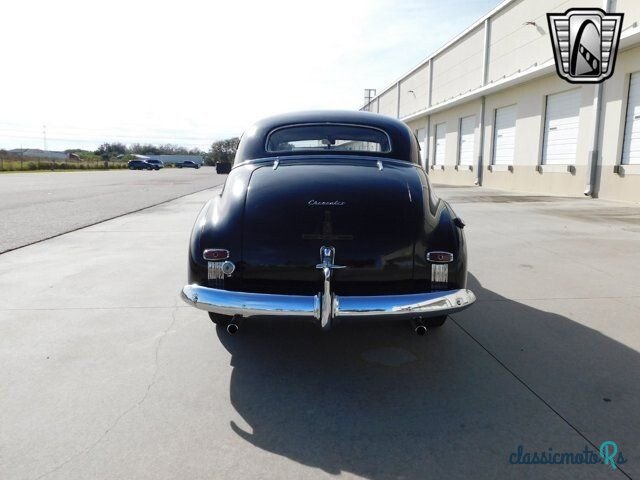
(631, 150)
(467, 134)
(561, 128)
(441, 135)
(504, 138)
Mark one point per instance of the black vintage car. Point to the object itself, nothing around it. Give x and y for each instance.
(329, 217)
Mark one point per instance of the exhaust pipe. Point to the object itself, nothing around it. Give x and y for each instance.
(420, 330)
(232, 328)
(419, 327)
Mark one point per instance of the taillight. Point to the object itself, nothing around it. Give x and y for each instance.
(215, 254)
(440, 257)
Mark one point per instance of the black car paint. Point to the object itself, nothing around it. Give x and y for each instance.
(389, 220)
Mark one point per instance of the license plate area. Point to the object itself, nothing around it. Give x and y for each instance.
(214, 271)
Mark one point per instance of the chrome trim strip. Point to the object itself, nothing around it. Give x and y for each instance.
(330, 155)
(262, 305)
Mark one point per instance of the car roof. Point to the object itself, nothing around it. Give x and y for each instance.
(403, 141)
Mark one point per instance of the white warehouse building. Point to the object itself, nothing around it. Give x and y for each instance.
(488, 108)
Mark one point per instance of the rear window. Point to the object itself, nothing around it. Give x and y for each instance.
(328, 137)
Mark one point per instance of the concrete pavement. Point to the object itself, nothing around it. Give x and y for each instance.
(40, 205)
(106, 374)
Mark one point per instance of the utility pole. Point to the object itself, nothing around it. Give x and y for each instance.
(44, 141)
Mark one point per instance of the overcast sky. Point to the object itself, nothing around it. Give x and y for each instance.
(190, 72)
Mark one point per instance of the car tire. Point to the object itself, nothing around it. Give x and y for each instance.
(435, 322)
(221, 320)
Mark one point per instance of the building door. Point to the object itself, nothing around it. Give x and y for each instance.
(631, 149)
(441, 136)
(504, 137)
(466, 140)
(561, 124)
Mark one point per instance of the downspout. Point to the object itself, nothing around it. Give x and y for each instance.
(429, 103)
(485, 80)
(398, 100)
(594, 152)
(427, 143)
(430, 82)
(481, 146)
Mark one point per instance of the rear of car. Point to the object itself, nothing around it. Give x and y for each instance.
(328, 221)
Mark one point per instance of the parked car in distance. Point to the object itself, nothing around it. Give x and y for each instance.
(155, 164)
(328, 217)
(223, 167)
(138, 164)
(188, 164)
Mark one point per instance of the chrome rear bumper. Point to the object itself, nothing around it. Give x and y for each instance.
(262, 305)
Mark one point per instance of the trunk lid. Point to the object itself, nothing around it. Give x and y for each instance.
(371, 216)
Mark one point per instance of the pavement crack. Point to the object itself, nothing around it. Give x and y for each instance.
(114, 424)
(528, 387)
(157, 355)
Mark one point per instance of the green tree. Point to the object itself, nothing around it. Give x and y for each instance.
(108, 150)
(222, 151)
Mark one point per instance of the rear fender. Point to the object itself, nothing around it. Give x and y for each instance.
(219, 225)
(439, 233)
